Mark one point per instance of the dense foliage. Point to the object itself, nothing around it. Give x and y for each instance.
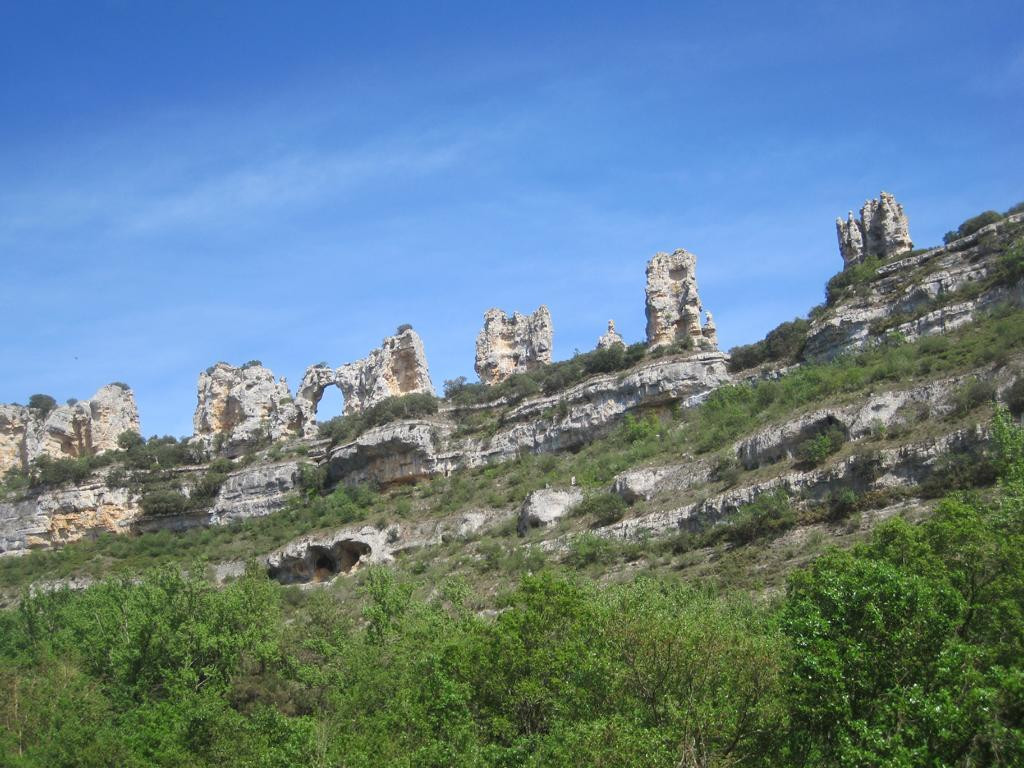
(906, 651)
(785, 344)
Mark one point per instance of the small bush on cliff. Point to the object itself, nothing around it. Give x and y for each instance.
(163, 501)
(602, 508)
(851, 278)
(816, 449)
(785, 343)
(42, 403)
(342, 428)
(547, 379)
(972, 225)
(45, 471)
(766, 516)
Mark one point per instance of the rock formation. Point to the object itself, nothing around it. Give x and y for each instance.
(316, 379)
(240, 407)
(882, 231)
(610, 337)
(673, 304)
(546, 506)
(397, 367)
(508, 345)
(80, 428)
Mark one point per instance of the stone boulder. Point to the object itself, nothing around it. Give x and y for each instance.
(545, 506)
(397, 367)
(509, 345)
(241, 407)
(673, 305)
(80, 428)
(610, 338)
(881, 231)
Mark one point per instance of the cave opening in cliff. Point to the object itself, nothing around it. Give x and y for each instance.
(319, 563)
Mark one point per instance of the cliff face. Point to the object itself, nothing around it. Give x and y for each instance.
(81, 428)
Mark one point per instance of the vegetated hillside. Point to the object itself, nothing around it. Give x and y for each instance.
(659, 590)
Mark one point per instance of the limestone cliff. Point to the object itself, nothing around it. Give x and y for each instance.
(240, 407)
(508, 345)
(80, 428)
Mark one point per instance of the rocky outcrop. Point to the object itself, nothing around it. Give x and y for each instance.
(254, 491)
(673, 304)
(397, 367)
(917, 295)
(902, 467)
(80, 428)
(55, 517)
(508, 345)
(318, 559)
(881, 231)
(545, 506)
(399, 452)
(610, 338)
(242, 407)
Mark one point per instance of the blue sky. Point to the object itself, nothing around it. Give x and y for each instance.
(182, 183)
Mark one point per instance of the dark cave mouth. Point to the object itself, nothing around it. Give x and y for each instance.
(319, 563)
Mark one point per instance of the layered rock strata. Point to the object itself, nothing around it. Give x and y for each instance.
(80, 428)
(409, 450)
(881, 231)
(242, 407)
(517, 344)
(673, 304)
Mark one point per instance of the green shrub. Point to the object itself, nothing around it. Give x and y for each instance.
(957, 471)
(45, 471)
(1014, 397)
(851, 278)
(785, 343)
(815, 450)
(727, 469)
(588, 549)
(42, 403)
(972, 225)
(603, 508)
(163, 501)
(971, 395)
(768, 515)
